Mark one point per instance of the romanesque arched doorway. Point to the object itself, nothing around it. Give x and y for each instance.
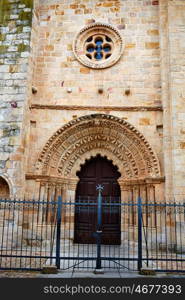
(77, 141)
(98, 170)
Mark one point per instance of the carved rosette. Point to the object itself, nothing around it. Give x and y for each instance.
(109, 136)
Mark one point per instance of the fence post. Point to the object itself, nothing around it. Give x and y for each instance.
(99, 230)
(59, 219)
(139, 233)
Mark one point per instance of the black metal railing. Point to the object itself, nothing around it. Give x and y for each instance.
(164, 236)
(102, 233)
(27, 233)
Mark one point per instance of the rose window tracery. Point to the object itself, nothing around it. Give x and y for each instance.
(98, 46)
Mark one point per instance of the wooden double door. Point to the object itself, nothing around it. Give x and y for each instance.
(96, 171)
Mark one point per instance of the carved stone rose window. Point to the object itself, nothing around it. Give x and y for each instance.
(98, 46)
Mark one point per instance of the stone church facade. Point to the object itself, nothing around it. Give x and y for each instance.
(81, 78)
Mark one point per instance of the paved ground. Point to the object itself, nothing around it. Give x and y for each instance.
(18, 274)
(84, 274)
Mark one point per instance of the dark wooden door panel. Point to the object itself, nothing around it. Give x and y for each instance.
(97, 171)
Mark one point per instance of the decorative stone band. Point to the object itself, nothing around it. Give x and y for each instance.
(99, 30)
(122, 181)
(45, 179)
(87, 136)
(52, 187)
(140, 181)
(151, 190)
(97, 108)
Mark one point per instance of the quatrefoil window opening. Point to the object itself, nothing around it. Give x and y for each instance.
(98, 47)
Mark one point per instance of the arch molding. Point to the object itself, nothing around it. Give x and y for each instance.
(94, 134)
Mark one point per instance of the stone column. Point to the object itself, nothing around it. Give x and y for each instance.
(59, 191)
(126, 191)
(42, 190)
(71, 188)
(129, 193)
(69, 192)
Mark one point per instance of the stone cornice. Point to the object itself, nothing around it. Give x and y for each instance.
(96, 108)
(141, 181)
(30, 176)
(51, 179)
(122, 182)
(37, 177)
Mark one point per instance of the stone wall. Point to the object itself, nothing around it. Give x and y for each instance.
(172, 30)
(67, 90)
(57, 69)
(145, 87)
(176, 28)
(15, 28)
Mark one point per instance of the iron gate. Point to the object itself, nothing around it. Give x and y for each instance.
(99, 254)
(38, 233)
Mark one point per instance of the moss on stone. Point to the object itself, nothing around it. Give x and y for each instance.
(12, 130)
(3, 49)
(5, 8)
(28, 3)
(22, 48)
(2, 37)
(25, 16)
(19, 29)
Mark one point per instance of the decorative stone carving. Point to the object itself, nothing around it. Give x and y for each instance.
(98, 46)
(95, 134)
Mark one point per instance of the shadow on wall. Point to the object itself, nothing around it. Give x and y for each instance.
(4, 188)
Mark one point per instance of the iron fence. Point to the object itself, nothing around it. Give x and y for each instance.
(102, 233)
(27, 233)
(163, 231)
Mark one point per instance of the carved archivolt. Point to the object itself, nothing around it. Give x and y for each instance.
(90, 135)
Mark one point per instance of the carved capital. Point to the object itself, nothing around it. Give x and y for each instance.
(72, 183)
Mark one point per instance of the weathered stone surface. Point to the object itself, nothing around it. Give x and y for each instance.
(49, 269)
(15, 27)
(147, 272)
(151, 68)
